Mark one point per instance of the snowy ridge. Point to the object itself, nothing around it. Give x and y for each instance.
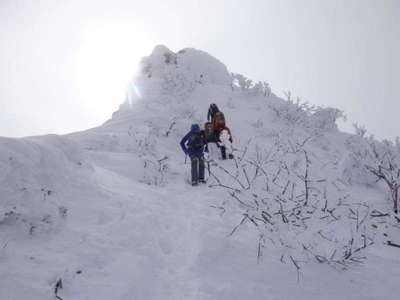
(109, 212)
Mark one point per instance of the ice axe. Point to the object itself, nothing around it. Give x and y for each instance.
(206, 158)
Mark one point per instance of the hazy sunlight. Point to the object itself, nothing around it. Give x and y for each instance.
(105, 64)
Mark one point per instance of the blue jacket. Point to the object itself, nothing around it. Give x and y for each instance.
(190, 150)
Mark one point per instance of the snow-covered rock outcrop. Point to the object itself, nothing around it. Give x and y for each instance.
(175, 74)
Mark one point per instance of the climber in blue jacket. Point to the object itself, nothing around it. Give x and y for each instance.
(194, 144)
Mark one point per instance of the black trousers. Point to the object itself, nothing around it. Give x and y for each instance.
(197, 161)
(223, 151)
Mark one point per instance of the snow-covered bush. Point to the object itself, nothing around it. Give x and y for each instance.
(36, 210)
(261, 88)
(240, 81)
(379, 160)
(292, 113)
(324, 119)
(296, 208)
(311, 118)
(359, 130)
(144, 139)
(247, 85)
(155, 171)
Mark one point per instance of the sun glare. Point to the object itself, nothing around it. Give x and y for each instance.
(105, 64)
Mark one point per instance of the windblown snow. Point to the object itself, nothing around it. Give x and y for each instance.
(301, 212)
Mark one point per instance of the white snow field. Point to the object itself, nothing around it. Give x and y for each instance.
(109, 213)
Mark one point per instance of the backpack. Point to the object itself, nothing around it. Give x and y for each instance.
(219, 118)
(209, 132)
(196, 140)
(213, 109)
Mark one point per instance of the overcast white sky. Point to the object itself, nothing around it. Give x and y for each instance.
(65, 64)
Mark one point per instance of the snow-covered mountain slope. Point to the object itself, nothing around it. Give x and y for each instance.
(108, 211)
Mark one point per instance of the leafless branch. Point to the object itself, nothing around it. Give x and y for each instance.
(237, 226)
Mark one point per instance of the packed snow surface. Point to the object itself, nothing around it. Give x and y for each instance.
(109, 213)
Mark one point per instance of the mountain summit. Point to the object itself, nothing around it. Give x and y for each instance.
(167, 73)
(193, 64)
(302, 210)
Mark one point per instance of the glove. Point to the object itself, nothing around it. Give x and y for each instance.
(230, 139)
